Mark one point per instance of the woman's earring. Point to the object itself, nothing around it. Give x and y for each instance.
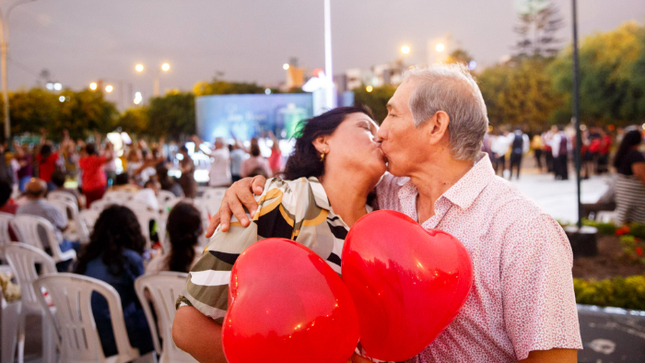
(322, 155)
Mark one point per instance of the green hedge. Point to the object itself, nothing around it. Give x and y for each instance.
(622, 292)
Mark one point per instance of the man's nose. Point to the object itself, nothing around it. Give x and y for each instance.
(381, 134)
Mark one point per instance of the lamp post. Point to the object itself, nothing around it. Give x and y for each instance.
(164, 67)
(330, 100)
(4, 44)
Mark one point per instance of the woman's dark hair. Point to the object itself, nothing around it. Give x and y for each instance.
(122, 179)
(116, 229)
(255, 148)
(45, 151)
(58, 178)
(631, 139)
(305, 159)
(162, 174)
(90, 149)
(6, 190)
(184, 228)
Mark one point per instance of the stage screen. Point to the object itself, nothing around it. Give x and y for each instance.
(247, 116)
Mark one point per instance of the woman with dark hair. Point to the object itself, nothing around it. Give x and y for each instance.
(256, 161)
(630, 182)
(114, 255)
(94, 179)
(184, 229)
(336, 162)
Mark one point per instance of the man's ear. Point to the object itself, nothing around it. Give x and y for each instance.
(437, 127)
(320, 143)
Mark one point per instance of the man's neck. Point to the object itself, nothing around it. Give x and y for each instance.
(433, 179)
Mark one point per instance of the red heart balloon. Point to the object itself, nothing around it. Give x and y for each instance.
(287, 305)
(407, 283)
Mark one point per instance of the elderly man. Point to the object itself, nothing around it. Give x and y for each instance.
(37, 205)
(522, 304)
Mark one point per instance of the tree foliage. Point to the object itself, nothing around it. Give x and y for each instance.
(81, 113)
(459, 56)
(172, 115)
(220, 87)
(612, 81)
(375, 100)
(135, 120)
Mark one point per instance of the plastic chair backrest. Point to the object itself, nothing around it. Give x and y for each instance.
(60, 195)
(163, 196)
(144, 214)
(99, 205)
(72, 296)
(117, 196)
(164, 288)
(5, 238)
(26, 228)
(87, 219)
(23, 259)
(68, 208)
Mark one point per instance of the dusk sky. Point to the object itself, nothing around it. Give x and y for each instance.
(80, 41)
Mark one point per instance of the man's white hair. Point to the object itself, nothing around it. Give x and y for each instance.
(452, 89)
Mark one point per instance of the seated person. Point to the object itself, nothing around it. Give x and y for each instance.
(184, 229)
(7, 204)
(37, 205)
(122, 183)
(58, 178)
(114, 255)
(167, 182)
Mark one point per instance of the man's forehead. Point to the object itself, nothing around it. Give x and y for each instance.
(401, 95)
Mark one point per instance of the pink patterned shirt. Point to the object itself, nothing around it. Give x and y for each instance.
(522, 297)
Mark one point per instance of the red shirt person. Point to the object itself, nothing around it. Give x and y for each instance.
(94, 179)
(46, 163)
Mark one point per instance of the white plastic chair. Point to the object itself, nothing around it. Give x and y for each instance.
(70, 209)
(99, 205)
(163, 196)
(26, 229)
(74, 320)
(23, 259)
(61, 195)
(87, 218)
(145, 214)
(117, 197)
(9, 318)
(5, 238)
(212, 199)
(164, 288)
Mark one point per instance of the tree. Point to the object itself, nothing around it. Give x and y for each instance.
(31, 110)
(520, 95)
(459, 56)
(172, 115)
(220, 87)
(83, 113)
(135, 120)
(375, 100)
(612, 88)
(539, 23)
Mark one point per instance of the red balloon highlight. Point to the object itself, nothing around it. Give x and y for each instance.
(287, 305)
(407, 283)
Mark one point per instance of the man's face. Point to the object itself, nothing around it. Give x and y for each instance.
(401, 142)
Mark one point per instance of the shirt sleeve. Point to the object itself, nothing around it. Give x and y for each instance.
(207, 283)
(537, 287)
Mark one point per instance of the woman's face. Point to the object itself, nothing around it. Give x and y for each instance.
(353, 148)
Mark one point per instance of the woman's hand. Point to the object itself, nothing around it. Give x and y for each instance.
(237, 197)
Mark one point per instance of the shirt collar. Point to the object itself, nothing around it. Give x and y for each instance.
(320, 197)
(468, 188)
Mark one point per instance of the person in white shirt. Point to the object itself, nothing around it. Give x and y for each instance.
(499, 147)
(560, 145)
(220, 165)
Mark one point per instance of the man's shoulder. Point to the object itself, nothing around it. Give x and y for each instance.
(507, 202)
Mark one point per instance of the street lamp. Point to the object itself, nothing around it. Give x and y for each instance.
(405, 49)
(440, 47)
(164, 67)
(286, 66)
(109, 88)
(4, 45)
(93, 86)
